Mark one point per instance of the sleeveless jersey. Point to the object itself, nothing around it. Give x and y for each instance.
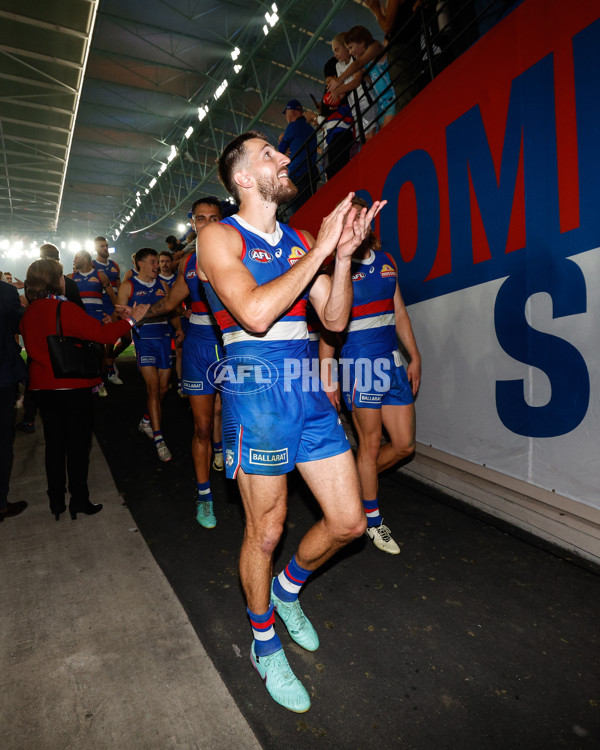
(90, 290)
(113, 274)
(372, 327)
(148, 293)
(112, 271)
(381, 83)
(202, 323)
(267, 257)
(169, 281)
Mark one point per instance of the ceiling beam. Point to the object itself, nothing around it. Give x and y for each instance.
(38, 23)
(16, 51)
(32, 124)
(60, 84)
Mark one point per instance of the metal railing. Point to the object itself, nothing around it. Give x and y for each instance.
(439, 39)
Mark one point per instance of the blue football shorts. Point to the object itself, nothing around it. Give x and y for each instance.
(373, 382)
(270, 431)
(197, 357)
(154, 352)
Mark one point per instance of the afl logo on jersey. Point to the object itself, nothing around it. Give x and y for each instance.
(295, 255)
(191, 274)
(262, 256)
(359, 276)
(387, 271)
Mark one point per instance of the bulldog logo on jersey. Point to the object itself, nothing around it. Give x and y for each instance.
(387, 270)
(160, 293)
(262, 256)
(359, 276)
(295, 254)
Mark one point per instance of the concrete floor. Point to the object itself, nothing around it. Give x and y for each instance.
(471, 639)
(95, 649)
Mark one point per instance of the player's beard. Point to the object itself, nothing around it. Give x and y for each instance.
(275, 191)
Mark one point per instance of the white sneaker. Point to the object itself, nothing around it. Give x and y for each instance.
(163, 452)
(382, 539)
(146, 428)
(218, 464)
(102, 392)
(115, 379)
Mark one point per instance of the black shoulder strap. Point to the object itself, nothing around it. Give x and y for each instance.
(58, 321)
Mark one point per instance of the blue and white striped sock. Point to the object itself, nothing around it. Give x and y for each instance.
(372, 512)
(288, 583)
(266, 640)
(204, 493)
(158, 437)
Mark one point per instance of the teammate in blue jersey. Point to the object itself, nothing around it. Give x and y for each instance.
(260, 274)
(152, 343)
(165, 268)
(375, 385)
(201, 349)
(91, 282)
(103, 263)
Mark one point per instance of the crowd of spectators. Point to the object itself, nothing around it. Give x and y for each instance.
(367, 81)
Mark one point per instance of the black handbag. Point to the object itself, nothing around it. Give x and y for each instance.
(72, 357)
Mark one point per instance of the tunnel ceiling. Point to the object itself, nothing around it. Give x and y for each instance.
(97, 99)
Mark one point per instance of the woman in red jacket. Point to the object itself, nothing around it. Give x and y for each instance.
(65, 404)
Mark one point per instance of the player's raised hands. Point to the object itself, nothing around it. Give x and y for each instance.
(357, 226)
(333, 225)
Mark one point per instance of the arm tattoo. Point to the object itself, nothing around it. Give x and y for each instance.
(158, 308)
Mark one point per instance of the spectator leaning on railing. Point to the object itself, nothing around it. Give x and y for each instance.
(400, 22)
(351, 86)
(337, 125)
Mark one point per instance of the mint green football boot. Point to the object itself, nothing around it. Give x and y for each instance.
(281, 683)
(297, 623)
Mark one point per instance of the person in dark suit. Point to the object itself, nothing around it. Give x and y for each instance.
(48, 250)
(12, 371)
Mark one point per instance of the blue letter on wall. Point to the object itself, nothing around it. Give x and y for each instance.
(560, 360)
(531, 120)
(418, 168)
